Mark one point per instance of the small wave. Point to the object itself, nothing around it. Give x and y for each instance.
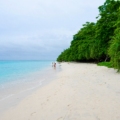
(7, 97)
(40, 83)
(31, 88)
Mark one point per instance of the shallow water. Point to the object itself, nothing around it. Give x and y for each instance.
(20, 78)
(13, 70)
(20, 75)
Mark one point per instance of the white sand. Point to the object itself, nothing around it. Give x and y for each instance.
(80, 92)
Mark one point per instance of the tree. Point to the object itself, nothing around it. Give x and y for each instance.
(114, 50)
(105, 26)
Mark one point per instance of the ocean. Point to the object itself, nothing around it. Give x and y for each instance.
(12, 70)
(18, 78)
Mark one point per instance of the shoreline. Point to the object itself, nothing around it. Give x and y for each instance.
(12, 94)
(79, 91)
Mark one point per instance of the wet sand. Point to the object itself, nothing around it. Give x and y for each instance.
(79, 92)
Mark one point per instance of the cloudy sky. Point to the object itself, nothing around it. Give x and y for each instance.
(41, 29)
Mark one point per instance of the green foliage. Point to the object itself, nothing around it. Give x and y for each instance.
(98, 41)
(107, 64)
(105, 26)
(64, 56)
(114, 50)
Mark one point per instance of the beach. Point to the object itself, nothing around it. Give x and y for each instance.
(80, 91)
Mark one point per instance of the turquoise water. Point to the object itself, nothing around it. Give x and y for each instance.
(10, 70)
(18, 79)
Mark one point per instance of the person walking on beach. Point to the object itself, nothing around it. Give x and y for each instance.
(54, 65)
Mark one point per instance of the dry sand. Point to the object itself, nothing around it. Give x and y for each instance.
(80, 92)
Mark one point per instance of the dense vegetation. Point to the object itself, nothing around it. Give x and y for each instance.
(100, 41)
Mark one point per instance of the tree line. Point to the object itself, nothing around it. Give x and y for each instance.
(100, 41)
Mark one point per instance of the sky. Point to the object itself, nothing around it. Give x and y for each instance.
(42, 29)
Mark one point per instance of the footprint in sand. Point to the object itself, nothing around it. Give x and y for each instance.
(68, 105)
(61, 118)
(42, 104)
(97, 118)
(33, 113)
